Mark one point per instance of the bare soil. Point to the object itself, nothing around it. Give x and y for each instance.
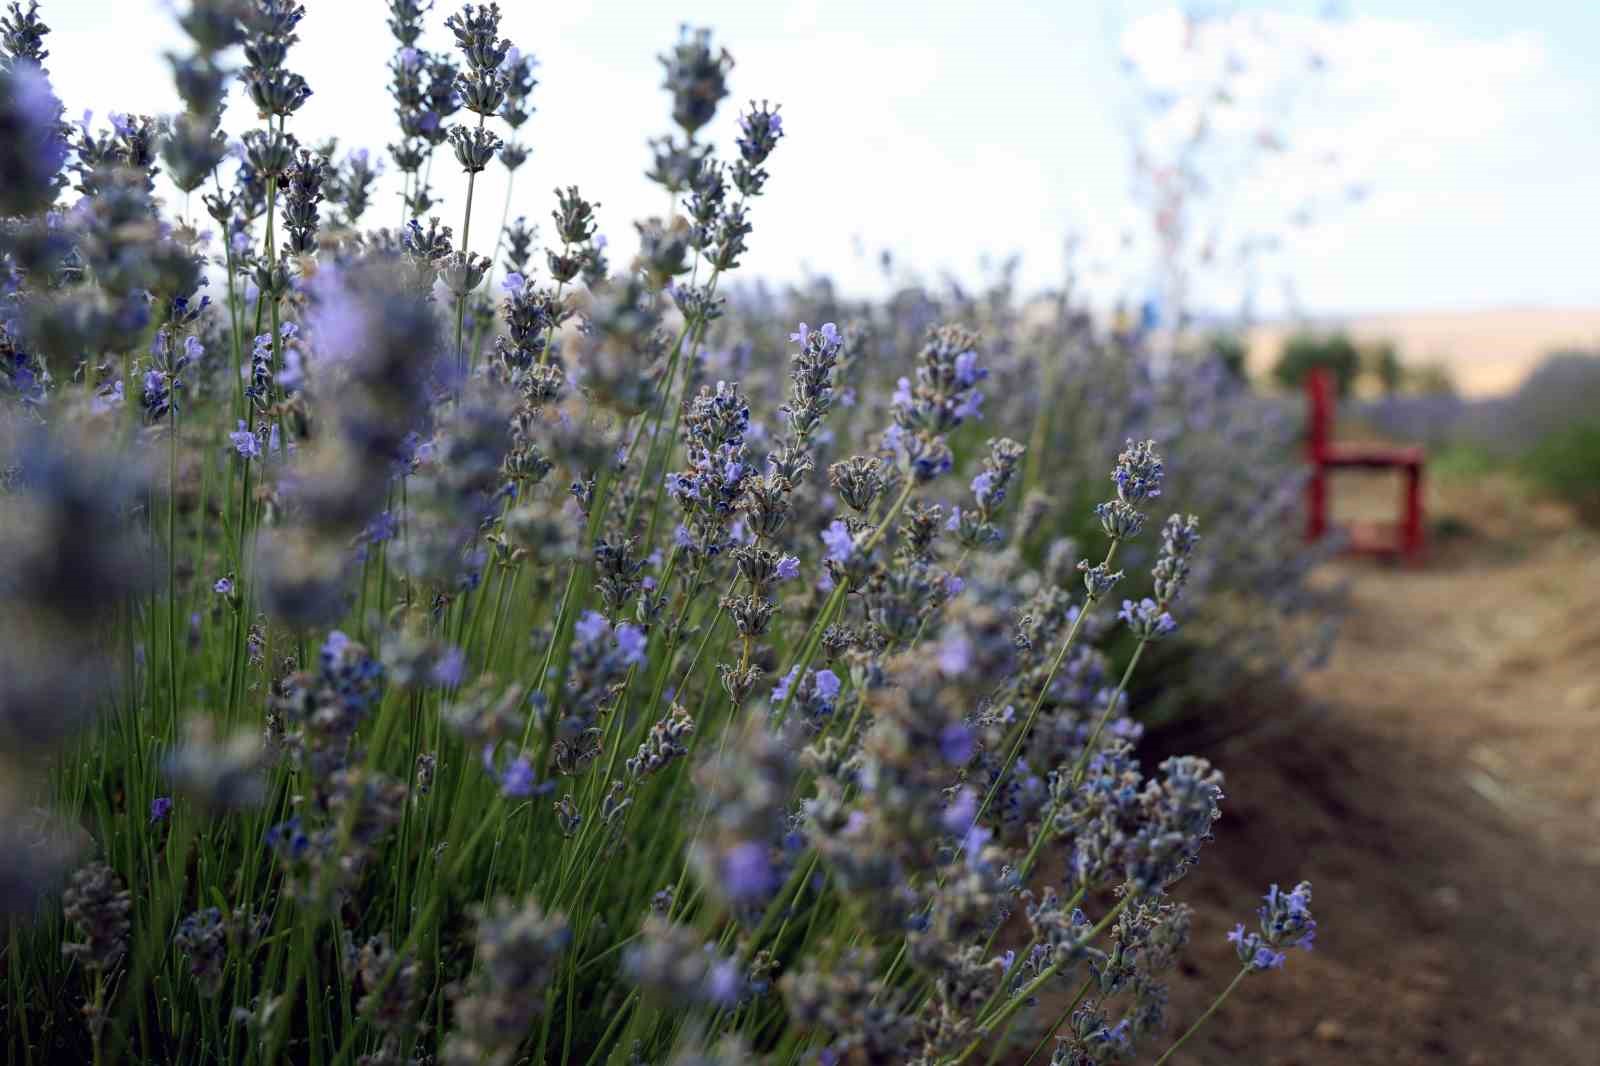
(1439, 783)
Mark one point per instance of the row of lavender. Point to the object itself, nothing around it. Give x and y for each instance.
(398, 665)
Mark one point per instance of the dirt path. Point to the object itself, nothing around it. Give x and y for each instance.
(1439, 783)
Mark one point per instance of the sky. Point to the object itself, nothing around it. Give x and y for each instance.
(1435, 154)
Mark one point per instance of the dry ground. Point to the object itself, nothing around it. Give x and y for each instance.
(1439, 783)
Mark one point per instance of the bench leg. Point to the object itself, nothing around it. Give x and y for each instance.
(1411, 528)
(1317, 503)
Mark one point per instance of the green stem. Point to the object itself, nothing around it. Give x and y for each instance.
(1226, 992)
(466, 251)
(1016, 1002)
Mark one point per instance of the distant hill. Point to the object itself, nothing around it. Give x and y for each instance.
(1487, 352)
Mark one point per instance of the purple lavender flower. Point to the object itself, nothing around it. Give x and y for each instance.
(840, 544)
(632, 641)
(382, 528)
(788, 568)
(957, 744)
(1146, 619)
(591, 627)
(972, 845)
(780, 691)
(827, 685)
(1286, 923)
(518, 780)
(746, 872)
(288, 839)
(970, 407)
(1259, 957)
(450, 669)
(223, 586)
(955, 655)
(160, 807)
(962, 812)
(724, 984)
(35, 149)
(1138, 472)
(245, 443)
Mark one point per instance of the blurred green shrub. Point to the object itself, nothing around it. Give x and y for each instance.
(1383, 363)
(1307, 351)
(1566, 464)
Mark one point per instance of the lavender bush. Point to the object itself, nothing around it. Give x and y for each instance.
(1077, 389)
(416, 654)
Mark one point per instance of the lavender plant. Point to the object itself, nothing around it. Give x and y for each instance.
(447, 677)
(1072, 389)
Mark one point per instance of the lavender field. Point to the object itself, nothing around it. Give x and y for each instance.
(434, 633)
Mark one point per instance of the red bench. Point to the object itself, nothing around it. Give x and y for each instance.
(1403, 538)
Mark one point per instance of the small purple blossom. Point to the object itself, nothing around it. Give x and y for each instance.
(955, 655)
(223, 586)
(827, 685)
(968, 373)
(1286, 923)
(723, 982)
(382, 528)
(780, 691)
(746, 872)
(518, 779)
(788, 568)
(1146, 619)
(632, 641)
(840, 544)
(450, 669)
(160, 807)
(902, 393)
(591, 627)
(244, 442)
(983, 487)
(962, 812)
(971, 406)
(957, 744)
(972, 845)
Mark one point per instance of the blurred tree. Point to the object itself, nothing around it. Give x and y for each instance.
(1306, 351)
(1229, 349)
(1383, 363)
(1432, 379)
